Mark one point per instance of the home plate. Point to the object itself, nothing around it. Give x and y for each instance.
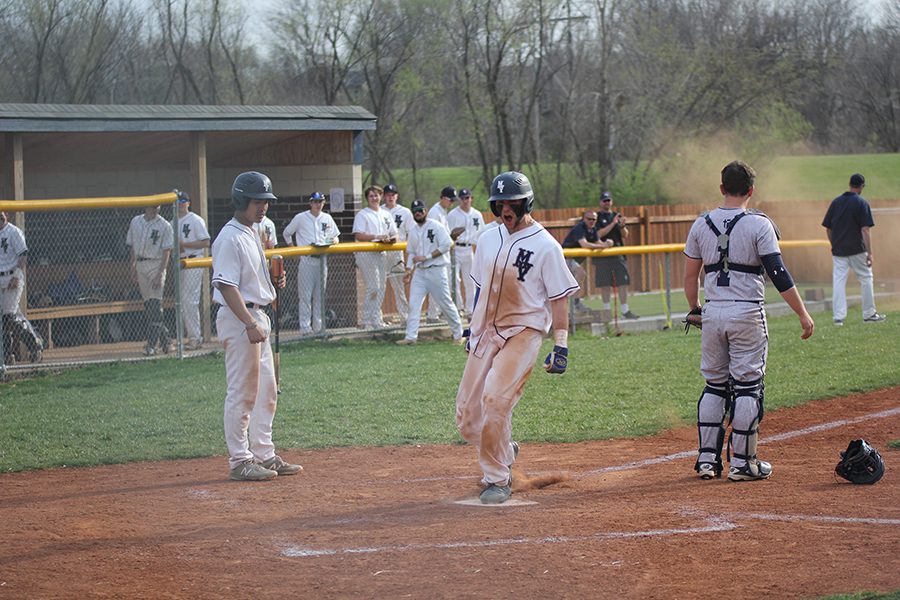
(510, 502)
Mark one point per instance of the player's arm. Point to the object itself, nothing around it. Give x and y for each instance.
(867, 242)
(558, 359)
(196, 244)
(692, 267)
(784, 283)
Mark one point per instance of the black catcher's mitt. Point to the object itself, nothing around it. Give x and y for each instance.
(695, 318)
(860, 463)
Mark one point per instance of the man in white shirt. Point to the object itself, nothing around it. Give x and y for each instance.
(427, 252)
(372, 224)
(313, 227)
(267, 233)
(13, 261)
(465, 225)
(243, 288)
(439, 213)
(150, 239)
(394, 259)
(193, 240)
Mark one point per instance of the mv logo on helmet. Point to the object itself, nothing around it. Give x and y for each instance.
(523, 263)
(500, 186)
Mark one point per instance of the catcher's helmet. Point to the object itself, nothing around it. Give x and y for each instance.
(860, 463)
(248, 186)
(512, 185)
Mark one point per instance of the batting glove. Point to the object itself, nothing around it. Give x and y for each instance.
(557, 360)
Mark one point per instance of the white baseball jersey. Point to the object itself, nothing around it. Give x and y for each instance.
(752, 237)
(403, 220)
(518, 274)
(305, 229)
(380, 223)
(438, 213)
(268, 227)
(239, 261)
(12, 246)
(192, 228)
(472, 221)
(148, 239)
(425, 239)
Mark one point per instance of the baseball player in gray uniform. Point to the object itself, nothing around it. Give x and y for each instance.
(313, 227)
(428, 246)
(243, 288)
(734, 246)
(150, 239)
(193, 240)
(396, 273)
(13, 261)
(522, 289)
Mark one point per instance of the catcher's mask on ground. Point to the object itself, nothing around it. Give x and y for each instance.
(860, 463)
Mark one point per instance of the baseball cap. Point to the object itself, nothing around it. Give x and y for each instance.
(317, 197)
(465, 193)
(449, 192)
(182, 196)
(605, 196)
(417, 205)
(857, 180)
(391, 188)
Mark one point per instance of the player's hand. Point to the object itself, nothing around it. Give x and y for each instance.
(280, 282)
(557, 360)
(13, 283)
(256, 335)
(808, 326)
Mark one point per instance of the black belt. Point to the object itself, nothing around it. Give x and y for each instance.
(141, 259)
(251, 305)
(462, 244)
(5, 273)
(192, 256)
(750, 301)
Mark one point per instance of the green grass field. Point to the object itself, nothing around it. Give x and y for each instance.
(785, 178)
(375, 393)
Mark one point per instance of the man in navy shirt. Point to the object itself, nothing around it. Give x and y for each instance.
(848, 221)
(583, 235)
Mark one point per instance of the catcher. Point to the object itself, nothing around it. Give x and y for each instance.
(734, 246)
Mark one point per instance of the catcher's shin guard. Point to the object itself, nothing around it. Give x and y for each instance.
(745, 418)
(711, 409)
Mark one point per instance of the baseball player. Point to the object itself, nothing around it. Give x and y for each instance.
(394, 260)
(193, 240)
(522, 289)
(313, 227)
(438, 212)
(734, 246)
(372, 224)
(612, 271)
(465, 225)
(243, 288)
(848, 222)
(267, 233)
(150, 240)
(427, 252)
(13, 261)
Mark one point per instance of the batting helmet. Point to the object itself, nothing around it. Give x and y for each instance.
(860, 463)
(248, 186)
(317, 197)
(512, 185)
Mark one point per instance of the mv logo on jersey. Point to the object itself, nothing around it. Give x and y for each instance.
(476, 222)
(5, 245)
(186, 230)
(523, 263)
(398, 219)
(154, 235)
(431, 235)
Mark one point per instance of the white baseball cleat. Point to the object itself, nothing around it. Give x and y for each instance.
(753, 470)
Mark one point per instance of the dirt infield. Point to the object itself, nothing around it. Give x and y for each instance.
(631, 522)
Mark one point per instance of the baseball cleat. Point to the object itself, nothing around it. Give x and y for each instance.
(708, 471)
(876, 318)
(251, 471)
(406, 342)
(838, 322)
(753, 470)
(630, 315)
(277, 464)
(496, 494)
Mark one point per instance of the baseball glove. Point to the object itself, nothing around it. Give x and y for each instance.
(693, 318)
(860, 463)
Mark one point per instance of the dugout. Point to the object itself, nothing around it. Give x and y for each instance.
(73, 151)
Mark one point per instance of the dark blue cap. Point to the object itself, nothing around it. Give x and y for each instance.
(317, 197)
(417, 205)
(391, 188)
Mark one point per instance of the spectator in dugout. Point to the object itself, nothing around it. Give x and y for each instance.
(612, 271)
(583, 235)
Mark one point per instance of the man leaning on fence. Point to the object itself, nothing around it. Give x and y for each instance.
(373, 224)
(583, 235)
(16, 328)
(150, 239)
